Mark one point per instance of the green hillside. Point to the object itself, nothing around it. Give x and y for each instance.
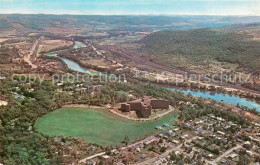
(201, 46)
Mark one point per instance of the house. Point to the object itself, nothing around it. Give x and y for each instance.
(250, 153)
(170, 132)
(175, 141)
(116, 152)
(196, 149)
(2, 78)
(221, 133)
(91, 163)
(232, 156)
(177, 152)
(184, 136)
(158, 127)
(166, 124)
(161, 135)
(220, 119)
(143, 156)
(149, 142)
(200, 138)
(199, 122)
(210, 156)
(3, 103)
(223, 161)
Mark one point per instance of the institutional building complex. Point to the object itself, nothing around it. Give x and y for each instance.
(143, 107)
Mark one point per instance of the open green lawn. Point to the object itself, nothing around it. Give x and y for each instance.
(97, 126)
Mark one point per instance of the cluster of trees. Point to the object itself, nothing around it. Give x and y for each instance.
(251, 85)
(146, 89)
(181, 159)
(19, 144)
(6, 54)
(190, 113)
(245, 159)
(200, 47)
(208, 147)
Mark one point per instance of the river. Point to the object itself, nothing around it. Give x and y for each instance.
(234, 100)
(71, 64)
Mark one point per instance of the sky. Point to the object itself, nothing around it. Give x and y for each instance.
(132, 7)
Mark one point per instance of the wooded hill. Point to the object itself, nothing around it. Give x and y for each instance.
(201, 46)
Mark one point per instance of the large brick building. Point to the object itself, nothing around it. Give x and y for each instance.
(159, 103)
(143, 107)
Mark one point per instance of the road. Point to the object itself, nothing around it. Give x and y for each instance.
(171, 109)
(34, 49)
(103, 153)
(95, 49)
(173, 148)
(214, 162)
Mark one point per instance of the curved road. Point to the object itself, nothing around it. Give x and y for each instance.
(171, 109)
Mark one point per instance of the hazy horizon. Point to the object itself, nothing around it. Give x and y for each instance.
(132, 7)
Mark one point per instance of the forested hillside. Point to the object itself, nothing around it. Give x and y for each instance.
(201, 46)
(7, 55)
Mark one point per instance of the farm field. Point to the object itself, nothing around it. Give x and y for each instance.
(97, 125)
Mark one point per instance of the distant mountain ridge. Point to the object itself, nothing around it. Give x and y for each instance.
(243, 26)
(38, 22)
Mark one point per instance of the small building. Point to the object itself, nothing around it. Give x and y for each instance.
(184, 136)
(175, 141)
(210, 156)
(166, 124)
(158, 127)
(250, 153)
(143, 156)
(170, 132)
(221, 133)
(232, 156)
(3, 103)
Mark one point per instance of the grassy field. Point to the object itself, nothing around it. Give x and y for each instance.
(97, 126)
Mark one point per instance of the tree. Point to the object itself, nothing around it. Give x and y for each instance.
(163, 149)
(126, 140)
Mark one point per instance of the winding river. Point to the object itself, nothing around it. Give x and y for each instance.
(234, 100)
(71, 64)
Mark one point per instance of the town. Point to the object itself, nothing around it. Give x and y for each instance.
(129, 83)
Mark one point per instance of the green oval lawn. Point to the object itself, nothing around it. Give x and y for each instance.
(96, 125)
